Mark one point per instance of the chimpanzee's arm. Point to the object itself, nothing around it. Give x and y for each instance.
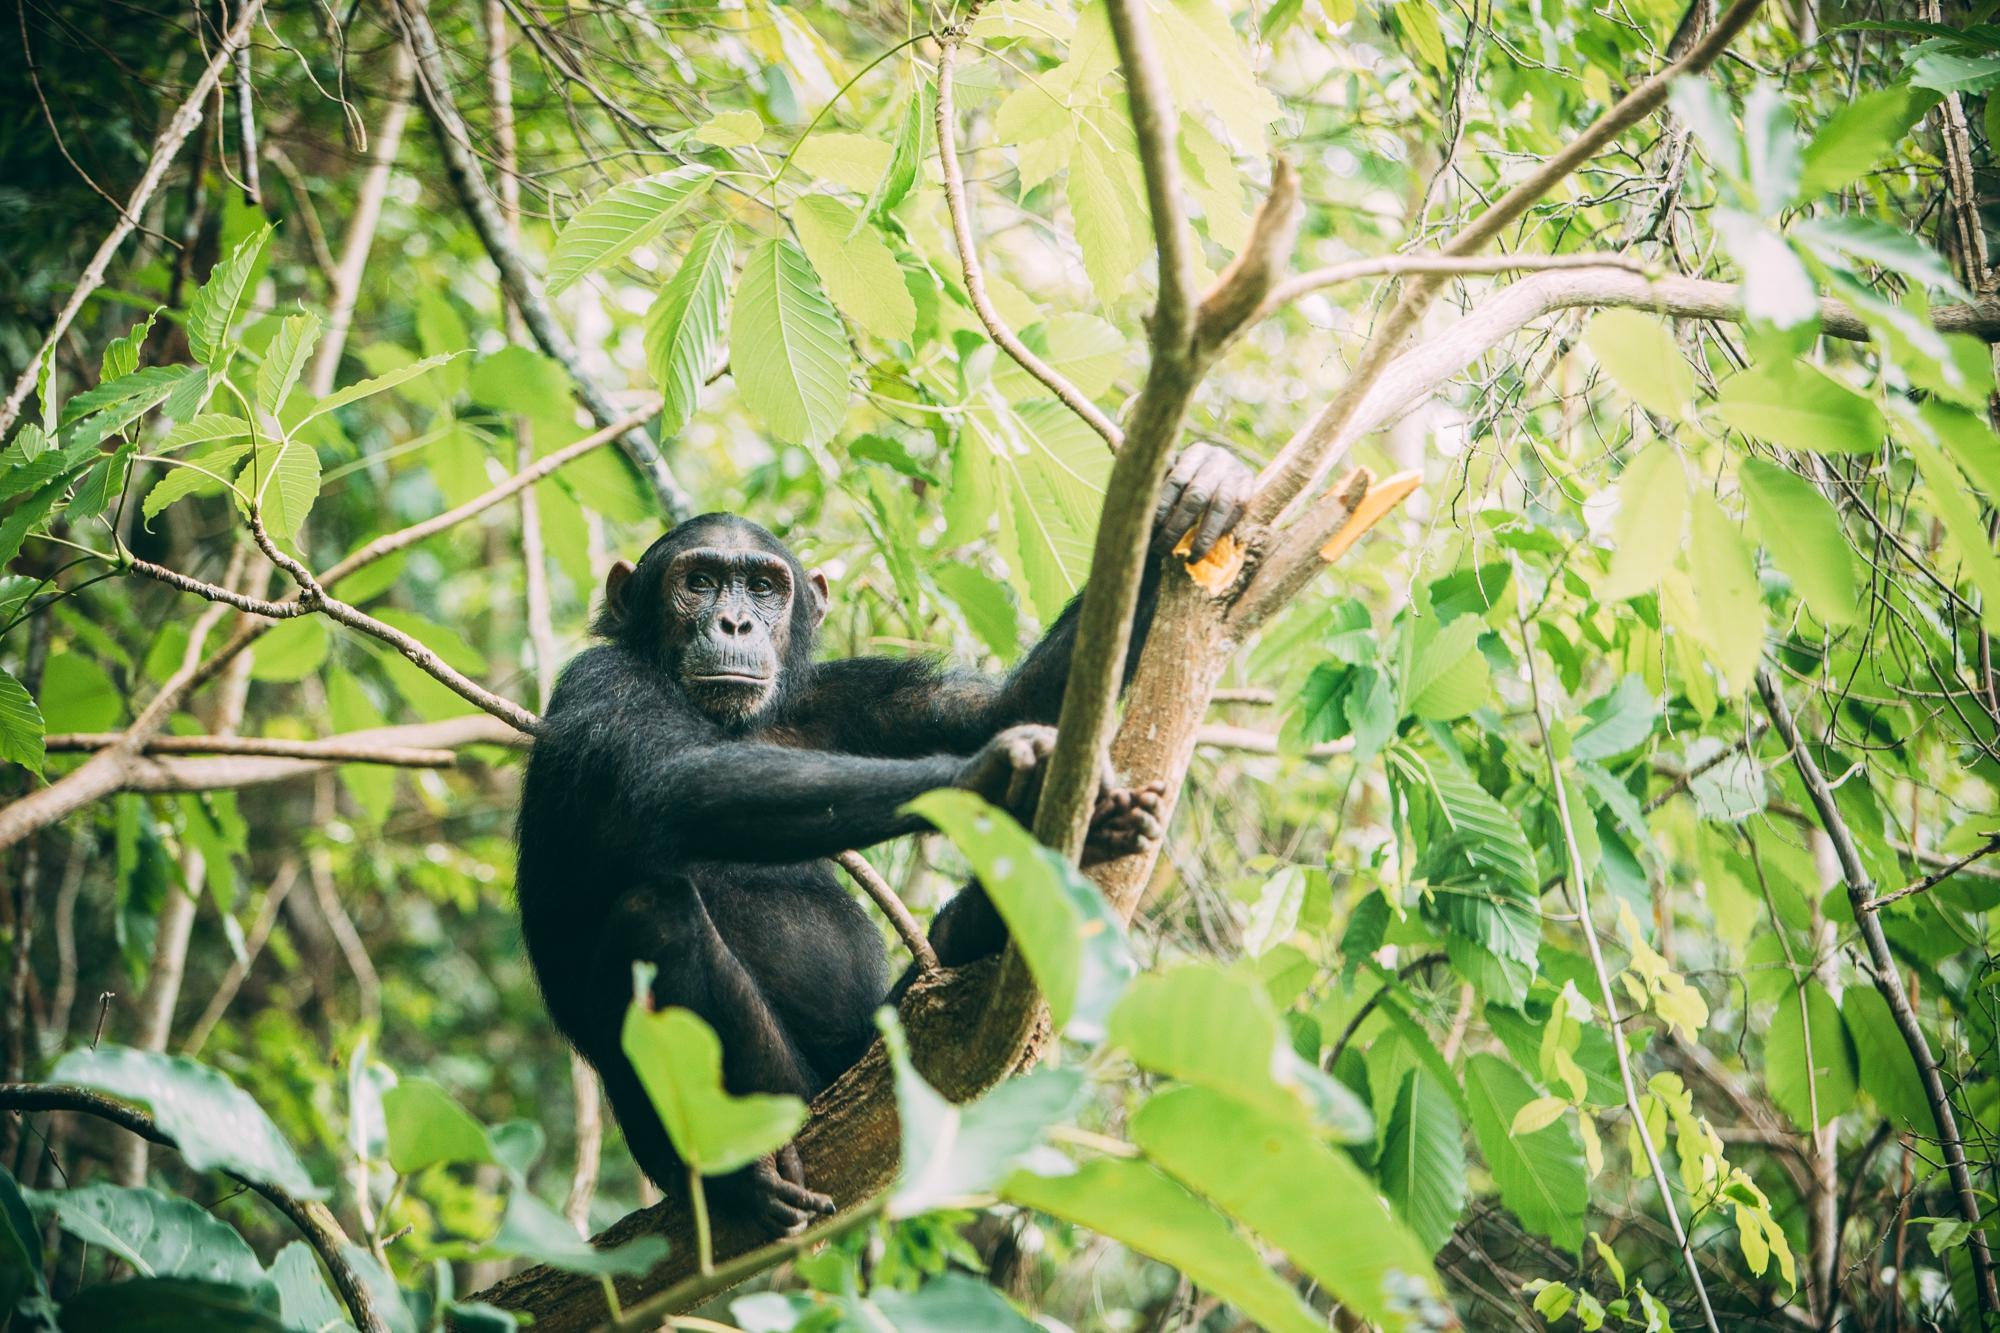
(745, 801)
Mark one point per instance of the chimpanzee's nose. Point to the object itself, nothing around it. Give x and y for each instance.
(732, 624)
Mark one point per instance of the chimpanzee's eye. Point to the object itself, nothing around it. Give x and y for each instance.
(701, 583)
(761, 585)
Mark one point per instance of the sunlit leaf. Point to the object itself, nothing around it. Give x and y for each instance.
(1800, 407)
(1801, 531)
(684, 327)
(787, 351)
(213, 309)
(624, 218)
(679, 1060)
(860, 273)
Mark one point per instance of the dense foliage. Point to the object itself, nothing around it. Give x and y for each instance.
(1588, 857)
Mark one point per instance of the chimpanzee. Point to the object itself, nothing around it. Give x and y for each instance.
(697, 768)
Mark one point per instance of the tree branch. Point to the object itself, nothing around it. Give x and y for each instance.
(1310, 454)
(165, 148)
(314, 1221)
(1456, 266)
(877, 888)
(469, 180)
(957, 205)
(1931, 881)
(1888, 980)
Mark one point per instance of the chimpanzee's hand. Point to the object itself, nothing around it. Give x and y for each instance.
(1206, 493)
(1127, 821)
(1008, 772)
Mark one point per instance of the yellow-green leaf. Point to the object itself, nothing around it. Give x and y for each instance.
(1726, 594)
(679, 1061)
(1639, 353)
(1800, 407)
(1652, 510)
(860, 274)
(1801, 531)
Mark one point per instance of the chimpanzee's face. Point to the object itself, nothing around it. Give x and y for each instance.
(725, 608)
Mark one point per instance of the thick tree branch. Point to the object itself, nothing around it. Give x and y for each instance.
(314, 1221)
(960, 209)
(1309, 455)
(165, 148)
(1888, 980)
(469, 180)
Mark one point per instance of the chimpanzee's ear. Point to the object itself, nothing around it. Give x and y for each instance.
(614, 587)
(817, 579)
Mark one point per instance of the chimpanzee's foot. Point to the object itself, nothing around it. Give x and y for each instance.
(773, 1195)
(1127, 821)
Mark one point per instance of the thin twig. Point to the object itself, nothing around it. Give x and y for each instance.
(1580, 895)
(331, 750)
(1888, 980)
(1461, 266)
(892, 907)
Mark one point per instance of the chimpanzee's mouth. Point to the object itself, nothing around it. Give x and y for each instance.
(730, 678)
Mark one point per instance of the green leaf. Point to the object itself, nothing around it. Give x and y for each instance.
(426, 1126)
(292, 649)
(787, 350)
(1541, 1175)
(172, 1305)
(1640, 354)
(1771, 143)
(1448, 677)
(20, 1246)
(285, 359)
(1801, 531)
(1971, 443)
(984, 602)
(860, 274)
(1777, 287)
(621, 220)
(852, 161)
(533, 1230)
(208, 428)
(1139, 1207)
(282, 479)
(1726, 593)
(684, 327)
(212, 311)
(1617, 721)
(731, 129)
(952, 1154)
(1886, 1069)
(1422, 1162)
(21, 727)
(121, 355)
(900, 175)
(1107, 201)
(1652, 511)
(1878, 243)
(1284, 1184)
(679, 1061)
(214, 1124)
(1800, 407)
(1857, 136)
(304, 1300)
(948, 1303)
(354, 393)
(1961, 518)
(1797, 1086)
(77, 695)
(1218, 1029)
(1072, 942)
(159, 1235)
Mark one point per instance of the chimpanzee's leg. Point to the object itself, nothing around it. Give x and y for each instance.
(667, 926)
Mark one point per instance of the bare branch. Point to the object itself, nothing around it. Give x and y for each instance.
(856, 865)
(332, 751)
(314, 1221)
(960, 209)
(1457, 266)
(1310, 454)
(1156, 125)
(1936, 877)
(469, 180)
(165, 147)
(1245, 287)
(1888, 980)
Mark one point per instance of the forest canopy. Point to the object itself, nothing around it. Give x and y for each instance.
(1581, 761)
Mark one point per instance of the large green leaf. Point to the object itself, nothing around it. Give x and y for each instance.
(1858, 135)
(20, 1246)
(787, 351)
(684, 327)
(1072, 942)
(304, 1300)
(159, 1235)
(621, 220)
(1108, 202)
(679, 1060)
(1961, 517)
(1218, 1029)
(1422, 1161)
(1800, 407)
(214, 1123)
(389, 379)
(860, 273)
(426, 1127)
(1639, 352)
(172, 1305)
(212, 310)
(954, 1153)
(1285, 1185)
(1801, 531)
(948, 1303)
(1652, 511)
(1824, 1083)
(282, 478)
(533, 1230)
(1887, 1071)
(1540, 1175)
(285, 359)
(1726, 593)
(1137, 1206)
(21, 727)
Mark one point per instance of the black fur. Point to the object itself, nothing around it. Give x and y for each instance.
(653, 830)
